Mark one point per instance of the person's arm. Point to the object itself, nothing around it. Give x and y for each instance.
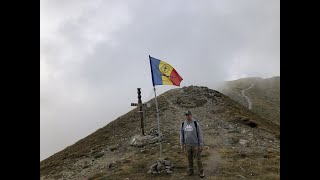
(200, 137)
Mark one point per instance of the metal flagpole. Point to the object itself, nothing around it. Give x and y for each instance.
(155, 95)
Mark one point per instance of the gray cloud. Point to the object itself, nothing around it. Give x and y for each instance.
(94, 54)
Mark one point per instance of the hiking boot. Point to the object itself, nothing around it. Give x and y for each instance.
(202, 174)
(189, 173)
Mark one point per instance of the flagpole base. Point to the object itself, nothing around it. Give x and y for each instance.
(161, 166)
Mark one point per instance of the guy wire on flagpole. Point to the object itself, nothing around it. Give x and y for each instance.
(155, 95)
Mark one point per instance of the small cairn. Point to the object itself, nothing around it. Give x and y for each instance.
(161, 165)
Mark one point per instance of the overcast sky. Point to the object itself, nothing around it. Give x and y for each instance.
(94, 54)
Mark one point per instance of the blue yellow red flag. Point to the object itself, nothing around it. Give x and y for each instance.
(163, 73)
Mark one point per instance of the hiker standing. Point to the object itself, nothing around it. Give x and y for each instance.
(191, 141)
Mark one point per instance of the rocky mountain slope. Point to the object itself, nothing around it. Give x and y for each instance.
(239, 144)
(264, 95)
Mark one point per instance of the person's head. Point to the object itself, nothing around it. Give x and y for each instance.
(188, 115)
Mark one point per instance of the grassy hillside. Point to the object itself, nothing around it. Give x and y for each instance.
(264, 95)
(238, 143)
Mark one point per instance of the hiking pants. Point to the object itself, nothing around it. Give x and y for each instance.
(193, 151)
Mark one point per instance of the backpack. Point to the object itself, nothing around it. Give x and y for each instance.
(195, 124)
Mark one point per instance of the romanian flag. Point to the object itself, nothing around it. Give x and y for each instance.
(163, 73)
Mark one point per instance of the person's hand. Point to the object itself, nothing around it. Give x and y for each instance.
(183, 147)
(200, 148)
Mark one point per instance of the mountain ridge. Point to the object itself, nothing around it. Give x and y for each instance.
(231, 131)
(264, 95)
